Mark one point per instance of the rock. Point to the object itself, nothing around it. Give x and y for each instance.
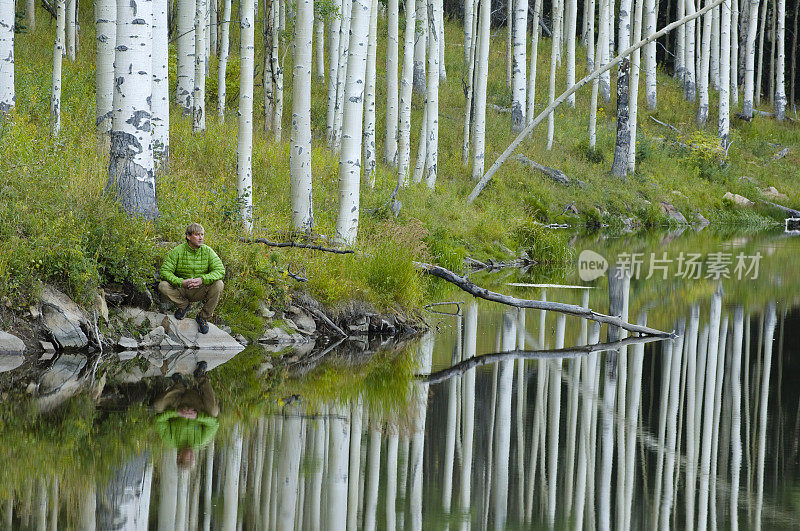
(265, 311)
(773, 193)
(99, 305)
(127, 355)
(63, 319)
(672, 212)
(34, 311)
(186, 332)
(47, 347)
(289, 323)
(748, 179)
(169, 343)
(127, 343)
(737, 199)
(65, 369)
(360, 326)
(11, 344)
(304, 323)
(628, 224)
(241, 339)
(139, 317)
(153, 338)
(226, 329)
(701, 220)
(276, 336)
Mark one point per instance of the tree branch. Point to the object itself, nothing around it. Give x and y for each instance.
(574, 88)
(569, 309)
(295, 244)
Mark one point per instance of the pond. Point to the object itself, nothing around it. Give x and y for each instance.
(698, 431)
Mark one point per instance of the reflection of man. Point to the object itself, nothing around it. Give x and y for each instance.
(193, 272)
(186, 417)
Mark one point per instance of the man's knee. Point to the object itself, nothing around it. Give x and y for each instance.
(164, 287)
(216, 286)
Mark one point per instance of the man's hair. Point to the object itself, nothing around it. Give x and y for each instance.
(194, 228)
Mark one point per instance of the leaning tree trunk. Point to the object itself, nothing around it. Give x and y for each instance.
(370, 157)
(702, 77)
(518, 77)
(6, 56)
(780, 91)
(724, 121)
(622, 146)
(479, 104)
(58, 53)
(352, 121)
(300, 153)
(650, 81)
(750, 61)
(131, 176)
(185, 50)
(160, 98)
(244, 152)
(222, 66)
(406, 87)
(392, 43)
(199, 90)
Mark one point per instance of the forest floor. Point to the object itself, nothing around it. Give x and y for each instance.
(56, 224)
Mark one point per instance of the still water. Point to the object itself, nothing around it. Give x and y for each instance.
(700, 431)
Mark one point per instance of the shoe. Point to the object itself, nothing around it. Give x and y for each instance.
(200, 370)
(177, 378)
(202, 324)
(180, 313)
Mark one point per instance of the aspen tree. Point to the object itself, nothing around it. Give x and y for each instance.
(588, 37)
(432, 99)
(793, 75)
(569, 36)
(509, 42)
(369, 145)
(780, 61)
(333, 69)
(222, 66)
(406, 85)
(131, 172)
(70, 28)
(269, 85)
(702, 76)
(470, 84)
(185, 48)
(619, 168)
(772, 54)
(558, 12)
(680, 42)
(199, 93)
(531, 89)
(30, 15)
(519, 78)
(438, 9)
(713, 61)
(58, 53)
(353, 116)
(392, 47)
(278, 7)
(300, 153)
(689, 55)
(319, 47)
(244, 151)
(601, 37)
(724, 121)
(634, 95)
(604, 49)
(479, 103)
(213, 15)
(160, 98)
(6, 56)
(750, 61)
(650, 56)
(734, 55)
(420, 46)
(341, 73)
(760, 70)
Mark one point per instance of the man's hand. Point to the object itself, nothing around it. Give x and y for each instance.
(187, 412)
(192, 283)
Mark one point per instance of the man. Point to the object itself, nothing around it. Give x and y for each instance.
(193, 272)
(186, 417)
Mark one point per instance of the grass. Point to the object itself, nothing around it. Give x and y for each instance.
(57, 226)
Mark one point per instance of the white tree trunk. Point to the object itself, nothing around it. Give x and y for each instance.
(634, 95)
(222, 67)
(470, 85)
(319, 48)
(70, 29)
(558, 12)
(341, 73)
(213, 35)
(509, 5)
(432, 98)
(780, 62)
(185, 49)
(604, 49)
(277, 70)
(689, 55)
(131, 169)
(244, 150)
(392, 44)
(300, 154)
(569, 36)
(519, 75)
(705, 60)
(724, 76)
(354, 469)
(207, 26)
(734, 47)
(292, 437)
(420, 45)
(233, 465)
(680, 42)
(531, 89)
(353, 115)
(58, 53)
(479, 104)
(199, 94)
(713, 62)
(623, 141)
(369, 144)
(6, 56)
(438, 9)
(160, 98)
(422, 146)
(30, 15)
(650, 64)
(406, 85)
(336, 488)
(334, 28)
(761, 53)
(750, 61)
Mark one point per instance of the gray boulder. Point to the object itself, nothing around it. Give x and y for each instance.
(63, 319)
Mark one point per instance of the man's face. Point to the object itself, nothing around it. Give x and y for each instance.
(195, 239)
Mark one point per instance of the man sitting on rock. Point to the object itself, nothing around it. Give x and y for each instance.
(193, 272)
(187, 417)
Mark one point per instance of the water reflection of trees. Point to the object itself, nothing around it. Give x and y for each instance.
(670, 434)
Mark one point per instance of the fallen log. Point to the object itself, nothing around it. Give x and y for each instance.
(792, 212)
(557, 175)
(561, 353)
(569, 309)
(296, 244)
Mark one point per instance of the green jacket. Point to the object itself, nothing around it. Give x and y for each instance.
(180, 432)
(183, 262)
